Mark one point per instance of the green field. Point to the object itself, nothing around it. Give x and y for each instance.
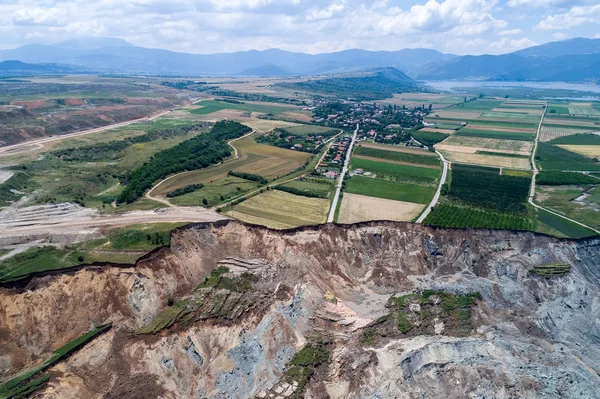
(389, 189)
(556, 178)
(121, 245)
(561, 200)
(210, 106)
(558, 109)
(397, 172)
(477, 105)
(445, 215)
(491, 134)
(551, 157)
(578, 139)
(518, 125)
(397, 156)
(563, 226)
(324, 190)
(216, 192)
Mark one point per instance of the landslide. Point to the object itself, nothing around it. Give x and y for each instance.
(235, 311)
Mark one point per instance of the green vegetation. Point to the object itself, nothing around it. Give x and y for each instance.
(486, 188)
(303, 365)
(557, 109)
(210, 106)
(429, 139)
(389, 189)
(474, 104)
(185, 190)
(518, 173)
(114, 149)
(20, 182)
(383, 84)
(555, 178)
(321, 187)
(491, 134)
(397, 172)
(298, 138)
(166, 318)
(304, 193)
(219, 280)
(518, 125)
(397, 156)
(563, 226)
(249, 176)
(552, 269)
(551, 157)
(578, 139)
(196, 153)
(122, 245)
(24, 383)
(502, 154)
(444, 215)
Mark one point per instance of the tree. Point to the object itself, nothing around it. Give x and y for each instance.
(204, 202)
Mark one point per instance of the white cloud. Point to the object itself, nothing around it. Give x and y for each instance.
(597, 36)
(507, 45)
(32, 16)
(545, 3)
(559, 36)
(576, 16)
(510, 32)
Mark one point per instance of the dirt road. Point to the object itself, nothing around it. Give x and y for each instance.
(436, 197)
(341, 179)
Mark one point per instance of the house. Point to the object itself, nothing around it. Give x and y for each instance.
(358, 171)
(330, 175)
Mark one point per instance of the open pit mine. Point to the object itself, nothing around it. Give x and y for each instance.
(375, 310)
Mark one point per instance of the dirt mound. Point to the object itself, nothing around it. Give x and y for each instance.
(238, 311)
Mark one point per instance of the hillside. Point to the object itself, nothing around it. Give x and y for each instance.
(375, 84)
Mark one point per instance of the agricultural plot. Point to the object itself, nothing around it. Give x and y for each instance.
(360, 208)
(439, 130)
(444, 215)
(509, 116)
(488, 160)
(581, 202)
(552, 157)
(500, 135)
(399, 156)
(391, 190)
(216, 192)
(485, 188)
(211, 106)
(469, 144)
(522, 110)
(397, 172)
(280, 210)
(549, 223)
(591, 151)
(321, 189)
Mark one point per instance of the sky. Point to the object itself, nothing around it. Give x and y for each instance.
(311, 26)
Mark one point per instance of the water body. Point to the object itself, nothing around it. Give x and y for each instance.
(564, 90)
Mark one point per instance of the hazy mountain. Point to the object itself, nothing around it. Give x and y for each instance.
(13, 67)
(265, 70)
(573, 60)
(115, 55)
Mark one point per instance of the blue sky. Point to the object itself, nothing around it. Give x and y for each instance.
(209, 26)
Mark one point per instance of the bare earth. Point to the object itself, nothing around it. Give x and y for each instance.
(488, 160)
(471, 145)
(592, 151)
(359, 208)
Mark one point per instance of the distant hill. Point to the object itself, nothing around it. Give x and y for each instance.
(375, 84)
(119, 56)
(13, 67)
(575, 60)
(265, 71)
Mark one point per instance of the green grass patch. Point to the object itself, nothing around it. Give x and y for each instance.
(303, 365)
(578, 139)
(217, 192)
(552, 269)
(210, 106)
(397, 156)
(190, 188)
(555, 178)
(519, 125)
(14, 188)
(429, 139)
(323, 189)
(563, 226)
(491, 134)
(389, 189)
(557, 109)
(550, 157)
(517, 173)
(397, 172)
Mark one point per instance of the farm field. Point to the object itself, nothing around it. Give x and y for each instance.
(210, 106)
(500, 135)
(397, 172)
(549, 223)
(423, 158)
(395, 148)
(444, 215)
(440, 130)
(592, 151)
(216, 192)
(473, 126)
(323, 189)
(487, 160)
(260, 159)
(552, 157)
(280, 210)
(389, 189)
(473, 144)
(360, 208)
(581, 203)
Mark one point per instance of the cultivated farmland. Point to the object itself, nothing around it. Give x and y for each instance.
(359, 208)
(389, 189)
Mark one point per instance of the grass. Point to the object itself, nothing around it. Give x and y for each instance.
(210, 106)
(517, 173)
(280, 210)
(552, 269)
(392, 190)
(551, 157)
(563, 226)
(323, 189)
(122, 245)
(555, 178)
(495, 134)
(397, 172)
(578, 139)
(20, 385)
(397, 156)
(216, 192)
(518, 125)
(560, 199)
(557, 109)
(303, 365)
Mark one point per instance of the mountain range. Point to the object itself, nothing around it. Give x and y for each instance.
(573, 60)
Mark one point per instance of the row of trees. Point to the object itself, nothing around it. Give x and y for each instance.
(196, 153)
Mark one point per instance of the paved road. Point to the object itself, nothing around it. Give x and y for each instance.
(33, 145)
(341, 178)
(535, 173)
(436, 197)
